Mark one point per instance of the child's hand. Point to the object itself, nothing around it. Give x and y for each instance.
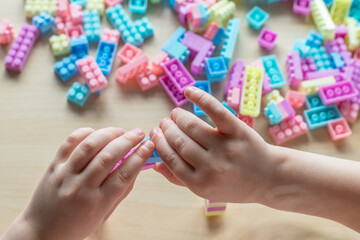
(231, 163)
(77, 194)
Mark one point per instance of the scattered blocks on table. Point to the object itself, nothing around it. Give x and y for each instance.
(273, 71)
(105, 56)
(21, 48)
(273, 113)
(158, 61)
(97, 5)
(294, 71)
(75, 31)
(78, 94)
(349, 110)
(35, 7)
(312, 86)
(177, 96)
(320, 116)
(257, 17)
(236, 76)
(79, 46)
(147, 80)
(322, 19)
(205, 86)
(337, 92)
(215, 69)
(340, 10)
(221, 11)
(133, 68)
(110, 35)
(63, 8)
(274, 95)
(92, 25)
(66, 68)
(6, 32)
(267, 39)
(302, 7)
(288, 130)
(60, 45)
(234, 98)
(90, 70)
(339, 129)
(215, 33)
(296, 99)
(81, 3)
(214, 208)
(128, 53)
(314, 39)
(313, 101)
(44, 22)
(76, 14)
(231, 36)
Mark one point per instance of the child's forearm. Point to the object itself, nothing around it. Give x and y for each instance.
(20, 229)
(317, 185)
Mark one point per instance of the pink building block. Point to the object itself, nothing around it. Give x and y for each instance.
(247, 120)
(302, 7)
(296, 99)
(287, 111)
(357, 55)
(267, 39)
(128, 53)
(211, 31)
(288, 130)
(63, 8)
(293, 67)
(322, 74)
(147, 80)
(21, 48)
(234, 98)
(90, 70)
(176, 95)
(345, 74)
(338, 92)
(112, 3)
(194, 17)
(308, 66)
(74, 31)
(178, 74)
(339, 129)
(110, 35)
(349, 110)
(76, 14)
(62, 24)
(236, 76)
(356, 71)
(183, 13)
(133, 68)
(158, 62)
(341, 31)
(6, 32)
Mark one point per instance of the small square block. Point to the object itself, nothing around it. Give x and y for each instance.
(296, 99)
(128, 53)
(215, 69)
(267, 39)
(339, 129)
(147, 80)
(257, 17)
(78, 94)
(60, 45)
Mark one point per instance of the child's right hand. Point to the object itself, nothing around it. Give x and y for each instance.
(229, 163)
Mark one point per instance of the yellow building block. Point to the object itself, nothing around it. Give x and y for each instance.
(60, 45)
(222, 11)
(322, 19)
(97, 5)
(251, 91)
(352, 39)
(312, 86)
(35, 7)
(340, 10)
(214, 208)
(274, 95)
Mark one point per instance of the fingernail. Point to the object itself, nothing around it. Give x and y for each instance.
(121, 130)
(190, 90)
(163, 121)
(172, 114)
(153, 133)
(139, 132)
(148, 145)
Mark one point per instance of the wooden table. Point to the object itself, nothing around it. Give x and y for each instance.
(35, 118)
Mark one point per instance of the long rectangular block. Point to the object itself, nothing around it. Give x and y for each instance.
(130, 70)
(205, 86)
(340, 10)
(251, 92)
(320, 116)
(288, 130)
(337, 92)
(293, 67)
(322, 19)
(236, 76)
(35, 7)
(312, 86)
(352, 39)
(273, 71)
(105, 56)
(231, 36)
(92, 25)
(233, 98)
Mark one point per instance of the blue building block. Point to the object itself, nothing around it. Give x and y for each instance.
(105, 56)
(231, 36)
(205, 86)
(355, 10)
(144, 27)
(78, 94)
(155, 156)
(328, 2)
(273, 71)
(228, 107)
(220, 35)
(314, 39)
(66, 68)
(257, 17)
(175, 48)
(79, 2)
(320, 116)
(273, 113)
(336, 60)
(301, 47)
(204, 13)
(177, 36)
(313, 101)
(79, 46)
(215, 69)
(321, 58)
(273, 1)
(92, 25)
(44, 22)
(138, 6)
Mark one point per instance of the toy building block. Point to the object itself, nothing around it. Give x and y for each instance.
(66, 68)
(6, 32)
(128, 53)
(320, 116)
(250, 121)
(341, 31)
(76, 14)
(340, 10)
(78, 94)
(328, 2)
(138, 6)
(215, 69)
(177, 36)
(60, 45)
(198, 15)
(294, 71)
(257, 17)
(79, 46)
(112, 3)
(221, 11)
(231, 36)
(198, 64)
(174, 48)
(251, 92)
(288, 130)
(339, 129)
(233, 98)
(81, 3)
(75, 31)
(228, 108)
(92, 25)
(313, 101)
(349, 110)
(267, 39)
(147, 80)
(266, 87)
(274, 95)
(110, 35)
(322, 19)
(21, 48)
(309, 67)
(312, 86)
(337, 60)
(302, 7)
(62, 24)
(272, 112)
(273, 71)
(352, 39)
(287, 111)
(337, 92)
(105, 56)
(90, 70)
(177, 96)
(183, 13)
(205, 86)
(63, 8)
(97, 5)
(356, 73)
(144, 27)
(158, 61)
(355, 10)
(133, 68)
(236, 76)
(296, 99)
(301, 47)
(214, 208)
(338, 46)
(314, 39)
(321, 58)
(35, 7)
(44, 22)
(178, 74)
(215, 33)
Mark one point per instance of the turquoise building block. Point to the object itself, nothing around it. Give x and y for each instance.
(205, 86)
(215, 69)
(175, 48)
(44, 22)
(66, 68)
(314, 39)
(328, 2)
(355, 10)
(272, 69)
(92, 23)
(144, 27)
(313, 101)
(177, 36)
(257, 17)
(273, 113)
(231, 36)
(138, 6)
(320, 116)
(228, 107)
(78, 94)
(301, 47)
(105, 56)
(79, 2)
(321, 58)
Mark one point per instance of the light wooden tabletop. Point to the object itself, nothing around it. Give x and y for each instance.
(35, 117)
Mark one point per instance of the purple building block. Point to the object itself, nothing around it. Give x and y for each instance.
(20, 49)
(341, 31)
(198, 64)
(308, 66)
(326, 73)
(178, 74)
(302, 7)
(176, 95)
(338, 45)
(236, 76)
(293, 67)
(267, 39)
(337, 92)
(266, 87)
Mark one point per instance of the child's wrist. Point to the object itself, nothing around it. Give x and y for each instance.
(21, 228)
